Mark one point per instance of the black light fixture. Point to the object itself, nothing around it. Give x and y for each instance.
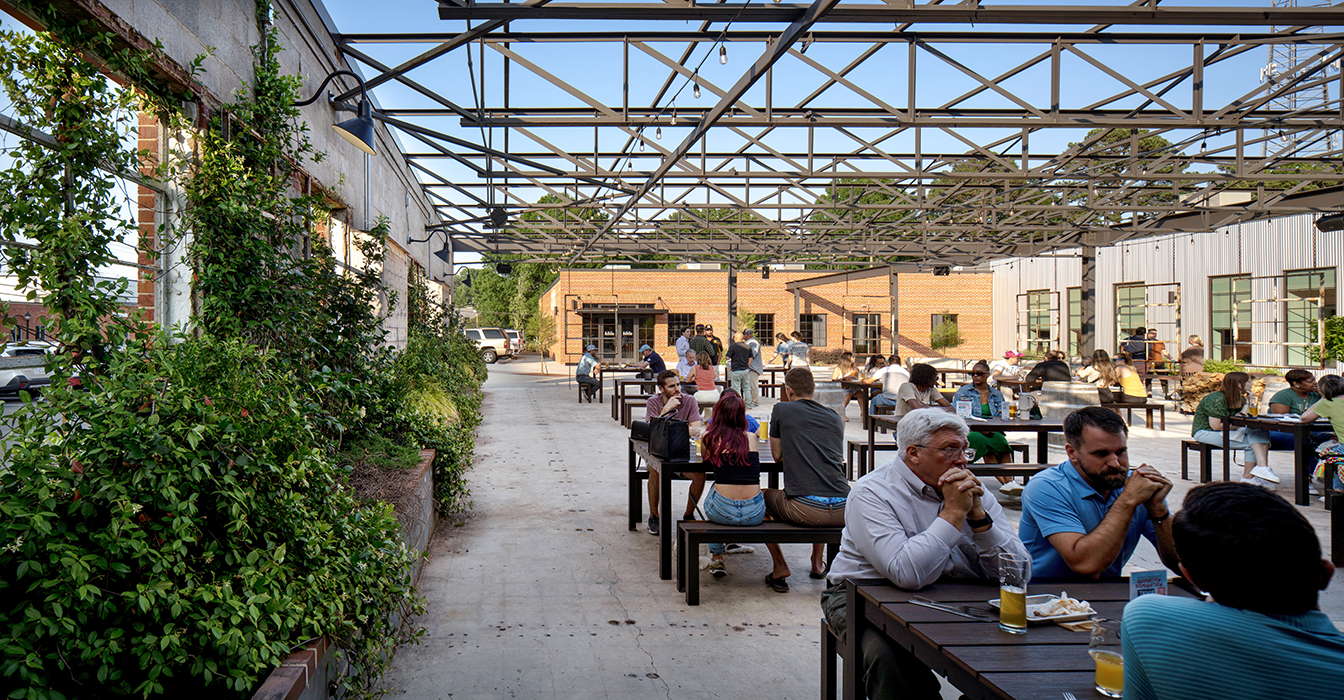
(1330, 223)
(941, 270)
(765, 272)
(358, 131)
(503, 268)
(445, 254)
(498, 217)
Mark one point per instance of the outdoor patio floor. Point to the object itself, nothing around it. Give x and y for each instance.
(542, 592)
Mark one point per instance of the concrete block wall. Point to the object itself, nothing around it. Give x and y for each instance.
(705, 294)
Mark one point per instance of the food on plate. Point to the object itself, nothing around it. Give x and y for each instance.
(1063, 605)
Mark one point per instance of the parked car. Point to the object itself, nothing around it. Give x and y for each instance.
(515, 339)
(493, 343)
(14, 380)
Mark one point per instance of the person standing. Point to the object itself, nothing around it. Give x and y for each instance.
(715, 343)
(798, 350)
(1158, 362)
(706, 378)
(739, 367)
(589, 373)
(755, 369)
(700, 343)
(808, 439)
(684, 342)
(782, 350)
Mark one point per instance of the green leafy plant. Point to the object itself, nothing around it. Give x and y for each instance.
(1332, 348)
(1224, 366)
(945, 334)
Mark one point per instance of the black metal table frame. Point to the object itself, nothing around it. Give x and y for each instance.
(1301, 443)
(1042, 428)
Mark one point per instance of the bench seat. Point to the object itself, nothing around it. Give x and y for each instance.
(1205, 460)
(1148, 408)
(691, 533)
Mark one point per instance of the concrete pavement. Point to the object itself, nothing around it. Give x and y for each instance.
(542, 592)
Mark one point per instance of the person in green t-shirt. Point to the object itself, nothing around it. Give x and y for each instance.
(1296, 399)
(1330, 407)
(1207, 427)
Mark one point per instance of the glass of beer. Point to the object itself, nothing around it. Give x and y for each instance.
(1253, 407)
(764, 432)
(1105, 650)
(1012, 411)
(1013, 593)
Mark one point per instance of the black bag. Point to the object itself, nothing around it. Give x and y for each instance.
(639, 430)
(669, 438)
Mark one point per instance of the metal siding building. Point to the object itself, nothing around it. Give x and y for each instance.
(1265, 250)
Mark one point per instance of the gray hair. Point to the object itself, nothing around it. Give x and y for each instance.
(917, 427)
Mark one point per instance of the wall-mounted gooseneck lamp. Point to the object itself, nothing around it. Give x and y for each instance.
(358, 131)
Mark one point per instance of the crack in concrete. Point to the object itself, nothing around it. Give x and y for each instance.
(625, 615)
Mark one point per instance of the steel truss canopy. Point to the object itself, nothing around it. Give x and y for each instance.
(855, 133)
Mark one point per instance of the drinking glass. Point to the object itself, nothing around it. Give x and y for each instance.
(1013, 593)
(1105, 650)
(1254, 408)
(1012, 411)
(764, 432)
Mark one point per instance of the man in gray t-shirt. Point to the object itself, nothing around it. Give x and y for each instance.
(756, 368)
(808, 439)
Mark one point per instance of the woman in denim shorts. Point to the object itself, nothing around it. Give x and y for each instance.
(736, 497)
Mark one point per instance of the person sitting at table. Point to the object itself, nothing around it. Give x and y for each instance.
(1192, 358)
(1131, 385)
(1082, 518)
(920, 392)
(988, 402)
(919, 518)
(1092, 372)
(782, 350)
(1158, 361)
(1260, 562)
(1331, 387)
(1053, 369)
(845, 370)
(669, 401)
(875, 363)
(652, 362)
(808, 440)
(589, 373)
(686, 365)
(1207, 427)
(706, 390)
(1135, 349)
(736, 499)
(892, 377)
(1010, 367)
(1299, 396)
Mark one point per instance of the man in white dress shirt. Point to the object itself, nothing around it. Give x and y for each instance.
(916, 519)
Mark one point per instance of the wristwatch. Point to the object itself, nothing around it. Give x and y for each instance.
(1158, 521)
(977, 524)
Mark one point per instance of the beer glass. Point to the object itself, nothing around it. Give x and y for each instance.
(1013, 593)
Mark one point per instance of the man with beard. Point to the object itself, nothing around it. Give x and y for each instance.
(1082, 519)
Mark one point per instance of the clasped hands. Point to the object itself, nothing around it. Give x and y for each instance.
(961, 492)
(1146, 486)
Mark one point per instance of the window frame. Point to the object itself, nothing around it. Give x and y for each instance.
(811, 322)
(674, 329)
(1297, 355)
(872, 333)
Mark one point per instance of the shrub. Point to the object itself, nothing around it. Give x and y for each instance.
(824, 356)
(1224, 366)
(176, 528)
(945, 335)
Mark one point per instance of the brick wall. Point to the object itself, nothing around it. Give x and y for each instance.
(705, 294)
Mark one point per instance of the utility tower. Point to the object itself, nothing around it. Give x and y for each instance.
(1283, 60)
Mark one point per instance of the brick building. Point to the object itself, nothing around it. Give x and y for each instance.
(850, 310)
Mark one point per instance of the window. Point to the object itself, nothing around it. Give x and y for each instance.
(1230, 317)
(1311, 298)
(1075, 326)
(813, 329)
(943, 331)
(1130, 310)
(592, 333)
(1039, 326)
(676, 323)
(765, 329)
(867, 334)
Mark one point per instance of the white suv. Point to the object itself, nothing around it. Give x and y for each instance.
(17, 379)
(493, 343)
(515, 339)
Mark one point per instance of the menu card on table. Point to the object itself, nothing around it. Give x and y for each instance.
(1145, 582)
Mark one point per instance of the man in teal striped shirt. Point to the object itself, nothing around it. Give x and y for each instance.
(1260, 634)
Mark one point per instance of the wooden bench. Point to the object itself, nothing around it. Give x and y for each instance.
(831, 650)
(771, 389)
(629, 406)
(1148, 408)
(1205, 460)
(1026, 471)
(691, 533)
(859, 448)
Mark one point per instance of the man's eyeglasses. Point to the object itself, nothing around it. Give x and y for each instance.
(952, 451)
(979, 374)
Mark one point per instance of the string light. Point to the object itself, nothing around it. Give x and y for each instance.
(641, 145)
(674, 115)
(696, 83)
(723, 54)
(658, 134)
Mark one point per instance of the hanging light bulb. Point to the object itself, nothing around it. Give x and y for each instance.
(674, 116)
(723, 54)
(696, 83)
(658, 134)
(641, 145)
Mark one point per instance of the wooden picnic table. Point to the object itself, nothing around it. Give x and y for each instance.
(619, 393)
(977, 657)
(942, 374)
(615, 371)
(1301, 443)
(667, 472)
(1041, 426)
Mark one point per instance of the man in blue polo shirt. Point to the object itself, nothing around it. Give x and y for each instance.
(1082, 519)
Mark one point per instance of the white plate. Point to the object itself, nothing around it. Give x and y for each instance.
(1035, 602)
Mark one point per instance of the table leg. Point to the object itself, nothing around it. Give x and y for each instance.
(636, 493)
(851, 681)
(1227, 451)
(872, 429)
(1301, 443)
(863, 406)
(665, 522)
(1042, 447)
